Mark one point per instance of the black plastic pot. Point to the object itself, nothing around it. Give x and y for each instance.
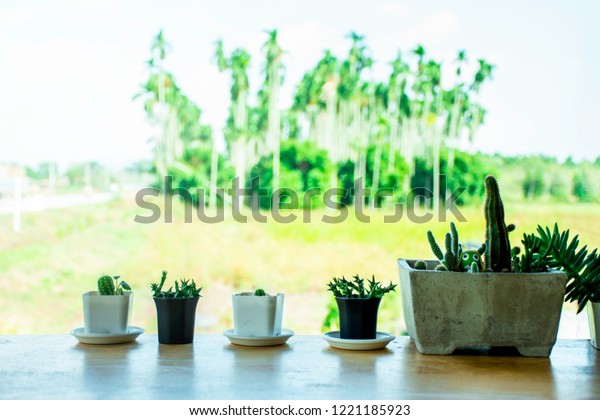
(358, 317)
(176, 318)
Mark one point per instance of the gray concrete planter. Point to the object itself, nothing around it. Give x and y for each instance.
(444, 311)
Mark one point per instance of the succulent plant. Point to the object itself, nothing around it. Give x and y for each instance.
(356, 288)
(420, 265)
(183, 288)
(110, 285)
(259, 292)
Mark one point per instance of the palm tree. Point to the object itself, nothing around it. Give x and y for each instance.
(455, 120)
(159, 50)
(273, 70)
(397, 83)
(483, 73)
(237, 123)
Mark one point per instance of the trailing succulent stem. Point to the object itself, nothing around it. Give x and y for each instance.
(340, 287)
(183, 288)
(497, 254)
(582, 268)
(110, 285)
(451, 259)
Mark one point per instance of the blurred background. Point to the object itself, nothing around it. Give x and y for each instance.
(103, 98)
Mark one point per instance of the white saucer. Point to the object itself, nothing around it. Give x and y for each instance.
(116, 338)
(253, 341)
(380, 341)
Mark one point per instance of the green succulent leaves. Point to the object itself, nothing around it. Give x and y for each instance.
(183, 288)
(356, 288)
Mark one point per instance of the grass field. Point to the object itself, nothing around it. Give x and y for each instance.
(59, 254)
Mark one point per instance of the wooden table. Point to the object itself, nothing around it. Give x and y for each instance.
(58, 367)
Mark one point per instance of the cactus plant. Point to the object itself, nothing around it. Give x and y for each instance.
(420, 265)
(110, 285)
(259, 292)
(497, 254)
(450, 260)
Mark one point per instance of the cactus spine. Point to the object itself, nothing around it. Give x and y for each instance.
(497, 253)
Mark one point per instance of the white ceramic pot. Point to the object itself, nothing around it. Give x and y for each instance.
(106, 314)
(258, 316)
(593, 312)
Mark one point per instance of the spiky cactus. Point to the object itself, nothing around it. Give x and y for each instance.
(420, 265)
(450, 260)
(109, 285)
(106, 285)
(497, 254)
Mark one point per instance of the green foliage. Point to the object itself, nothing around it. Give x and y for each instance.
(356, 288)
(534, 258)
(259, 292)
(332, 317)
(388, 179)
(582, 267)
(187, 289)
(466, 172)
(534, 184)
(450, 260)
(303, 166)
(582, 189)
(108, 285)
(497, 254)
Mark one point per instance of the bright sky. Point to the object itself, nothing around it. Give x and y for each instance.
(69, 68)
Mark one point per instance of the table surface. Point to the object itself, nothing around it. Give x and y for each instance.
(58, 367)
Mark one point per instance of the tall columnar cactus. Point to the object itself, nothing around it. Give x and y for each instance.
(450, 260)
(497, 254)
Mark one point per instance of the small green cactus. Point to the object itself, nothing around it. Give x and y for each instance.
(108, 285)
(451, 258)
(259, 292)
(420, 265)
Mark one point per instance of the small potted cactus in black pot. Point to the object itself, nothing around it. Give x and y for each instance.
(358, 305)
(108, 310)
(176, 310)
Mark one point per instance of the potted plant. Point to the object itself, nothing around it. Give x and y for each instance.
(358, 305)
(107, 310)
(176, 310)
(493, 296)
(257, 313)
